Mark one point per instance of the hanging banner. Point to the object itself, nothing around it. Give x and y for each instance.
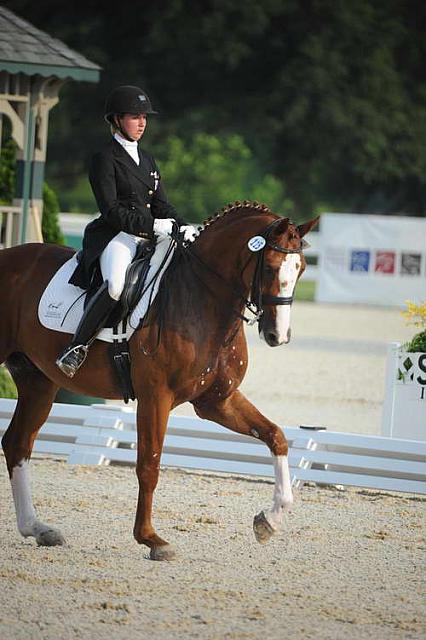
(373, 259)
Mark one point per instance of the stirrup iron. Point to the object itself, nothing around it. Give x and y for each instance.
(72, 359)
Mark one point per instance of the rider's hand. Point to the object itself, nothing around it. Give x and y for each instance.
(189, 232)
(163, 227)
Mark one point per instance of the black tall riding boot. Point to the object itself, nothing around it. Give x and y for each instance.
(93, 320)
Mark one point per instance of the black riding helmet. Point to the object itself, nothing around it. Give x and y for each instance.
(127, 99)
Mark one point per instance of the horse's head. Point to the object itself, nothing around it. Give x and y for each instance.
(268, 280)
(277, 273)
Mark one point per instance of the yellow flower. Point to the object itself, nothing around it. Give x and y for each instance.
(415, 313)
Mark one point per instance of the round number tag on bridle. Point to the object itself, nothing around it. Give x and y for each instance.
(256, 243)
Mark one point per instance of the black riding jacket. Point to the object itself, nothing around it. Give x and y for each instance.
(129, 197)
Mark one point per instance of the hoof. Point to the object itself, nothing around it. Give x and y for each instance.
(262, 529)
(50, 538)
(163, 552)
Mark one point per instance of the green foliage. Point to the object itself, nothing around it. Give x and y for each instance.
(7, 171)
(50, 222)
(207, 172)
(417, 343)
(79, 198)
(7, 386)
(329, 96)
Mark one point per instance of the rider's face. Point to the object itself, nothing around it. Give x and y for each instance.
(133, 125)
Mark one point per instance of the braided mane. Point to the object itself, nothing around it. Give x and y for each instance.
(238, 206)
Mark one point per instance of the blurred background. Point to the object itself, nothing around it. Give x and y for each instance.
(307, 106)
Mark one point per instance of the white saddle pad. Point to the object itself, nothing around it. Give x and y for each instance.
(62, 304)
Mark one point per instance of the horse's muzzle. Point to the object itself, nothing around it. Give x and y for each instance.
(272, 337)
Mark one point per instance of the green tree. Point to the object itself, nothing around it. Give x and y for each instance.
(7, 171)
(330, 96)
(50, 221)
(207, 172)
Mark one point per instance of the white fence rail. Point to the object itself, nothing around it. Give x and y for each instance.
(105, 434)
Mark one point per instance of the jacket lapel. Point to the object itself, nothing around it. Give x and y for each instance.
(140, 171)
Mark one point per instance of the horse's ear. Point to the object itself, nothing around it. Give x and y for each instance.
(304, 228)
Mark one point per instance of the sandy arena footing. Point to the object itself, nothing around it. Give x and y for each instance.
(348, 564)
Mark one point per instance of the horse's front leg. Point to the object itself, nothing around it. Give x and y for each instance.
(238, 414)
(152, 415)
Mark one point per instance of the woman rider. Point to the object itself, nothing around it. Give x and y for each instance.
(134, 208)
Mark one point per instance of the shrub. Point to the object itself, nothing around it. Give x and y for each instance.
(7, 171)
(7, 386)
(50, 222)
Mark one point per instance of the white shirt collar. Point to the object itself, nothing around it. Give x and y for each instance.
(124, 142)
(130, 146)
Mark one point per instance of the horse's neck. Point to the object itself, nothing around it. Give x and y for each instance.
(212, 285)
(221, 246)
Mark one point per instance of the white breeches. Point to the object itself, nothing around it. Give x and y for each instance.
(115, 259)
(119, 253)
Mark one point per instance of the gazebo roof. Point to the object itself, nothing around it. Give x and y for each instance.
(26, 49)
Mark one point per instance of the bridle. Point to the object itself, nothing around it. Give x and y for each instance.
(258, 299)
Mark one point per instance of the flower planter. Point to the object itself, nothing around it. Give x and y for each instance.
(404, 408)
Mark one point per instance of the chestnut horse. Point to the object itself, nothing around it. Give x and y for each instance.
(191, 348)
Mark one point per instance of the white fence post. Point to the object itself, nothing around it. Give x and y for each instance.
(388, 403)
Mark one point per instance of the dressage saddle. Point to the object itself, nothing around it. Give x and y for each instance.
(133, 289)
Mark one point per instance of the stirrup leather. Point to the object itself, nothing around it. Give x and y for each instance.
(72, 359)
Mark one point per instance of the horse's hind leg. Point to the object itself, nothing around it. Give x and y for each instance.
(35, 397)
(238, 414)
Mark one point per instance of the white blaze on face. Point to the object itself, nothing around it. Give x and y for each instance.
(288, 273)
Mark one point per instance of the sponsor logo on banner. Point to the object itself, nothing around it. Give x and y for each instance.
(360, 260)
(385, 262)
(411, 264)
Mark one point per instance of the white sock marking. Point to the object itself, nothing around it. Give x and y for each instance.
(21, 490)
(283, 495)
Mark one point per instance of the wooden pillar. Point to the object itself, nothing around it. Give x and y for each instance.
(43, 96)
(28, 109)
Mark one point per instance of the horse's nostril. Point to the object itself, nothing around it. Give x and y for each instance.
(272, 337)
